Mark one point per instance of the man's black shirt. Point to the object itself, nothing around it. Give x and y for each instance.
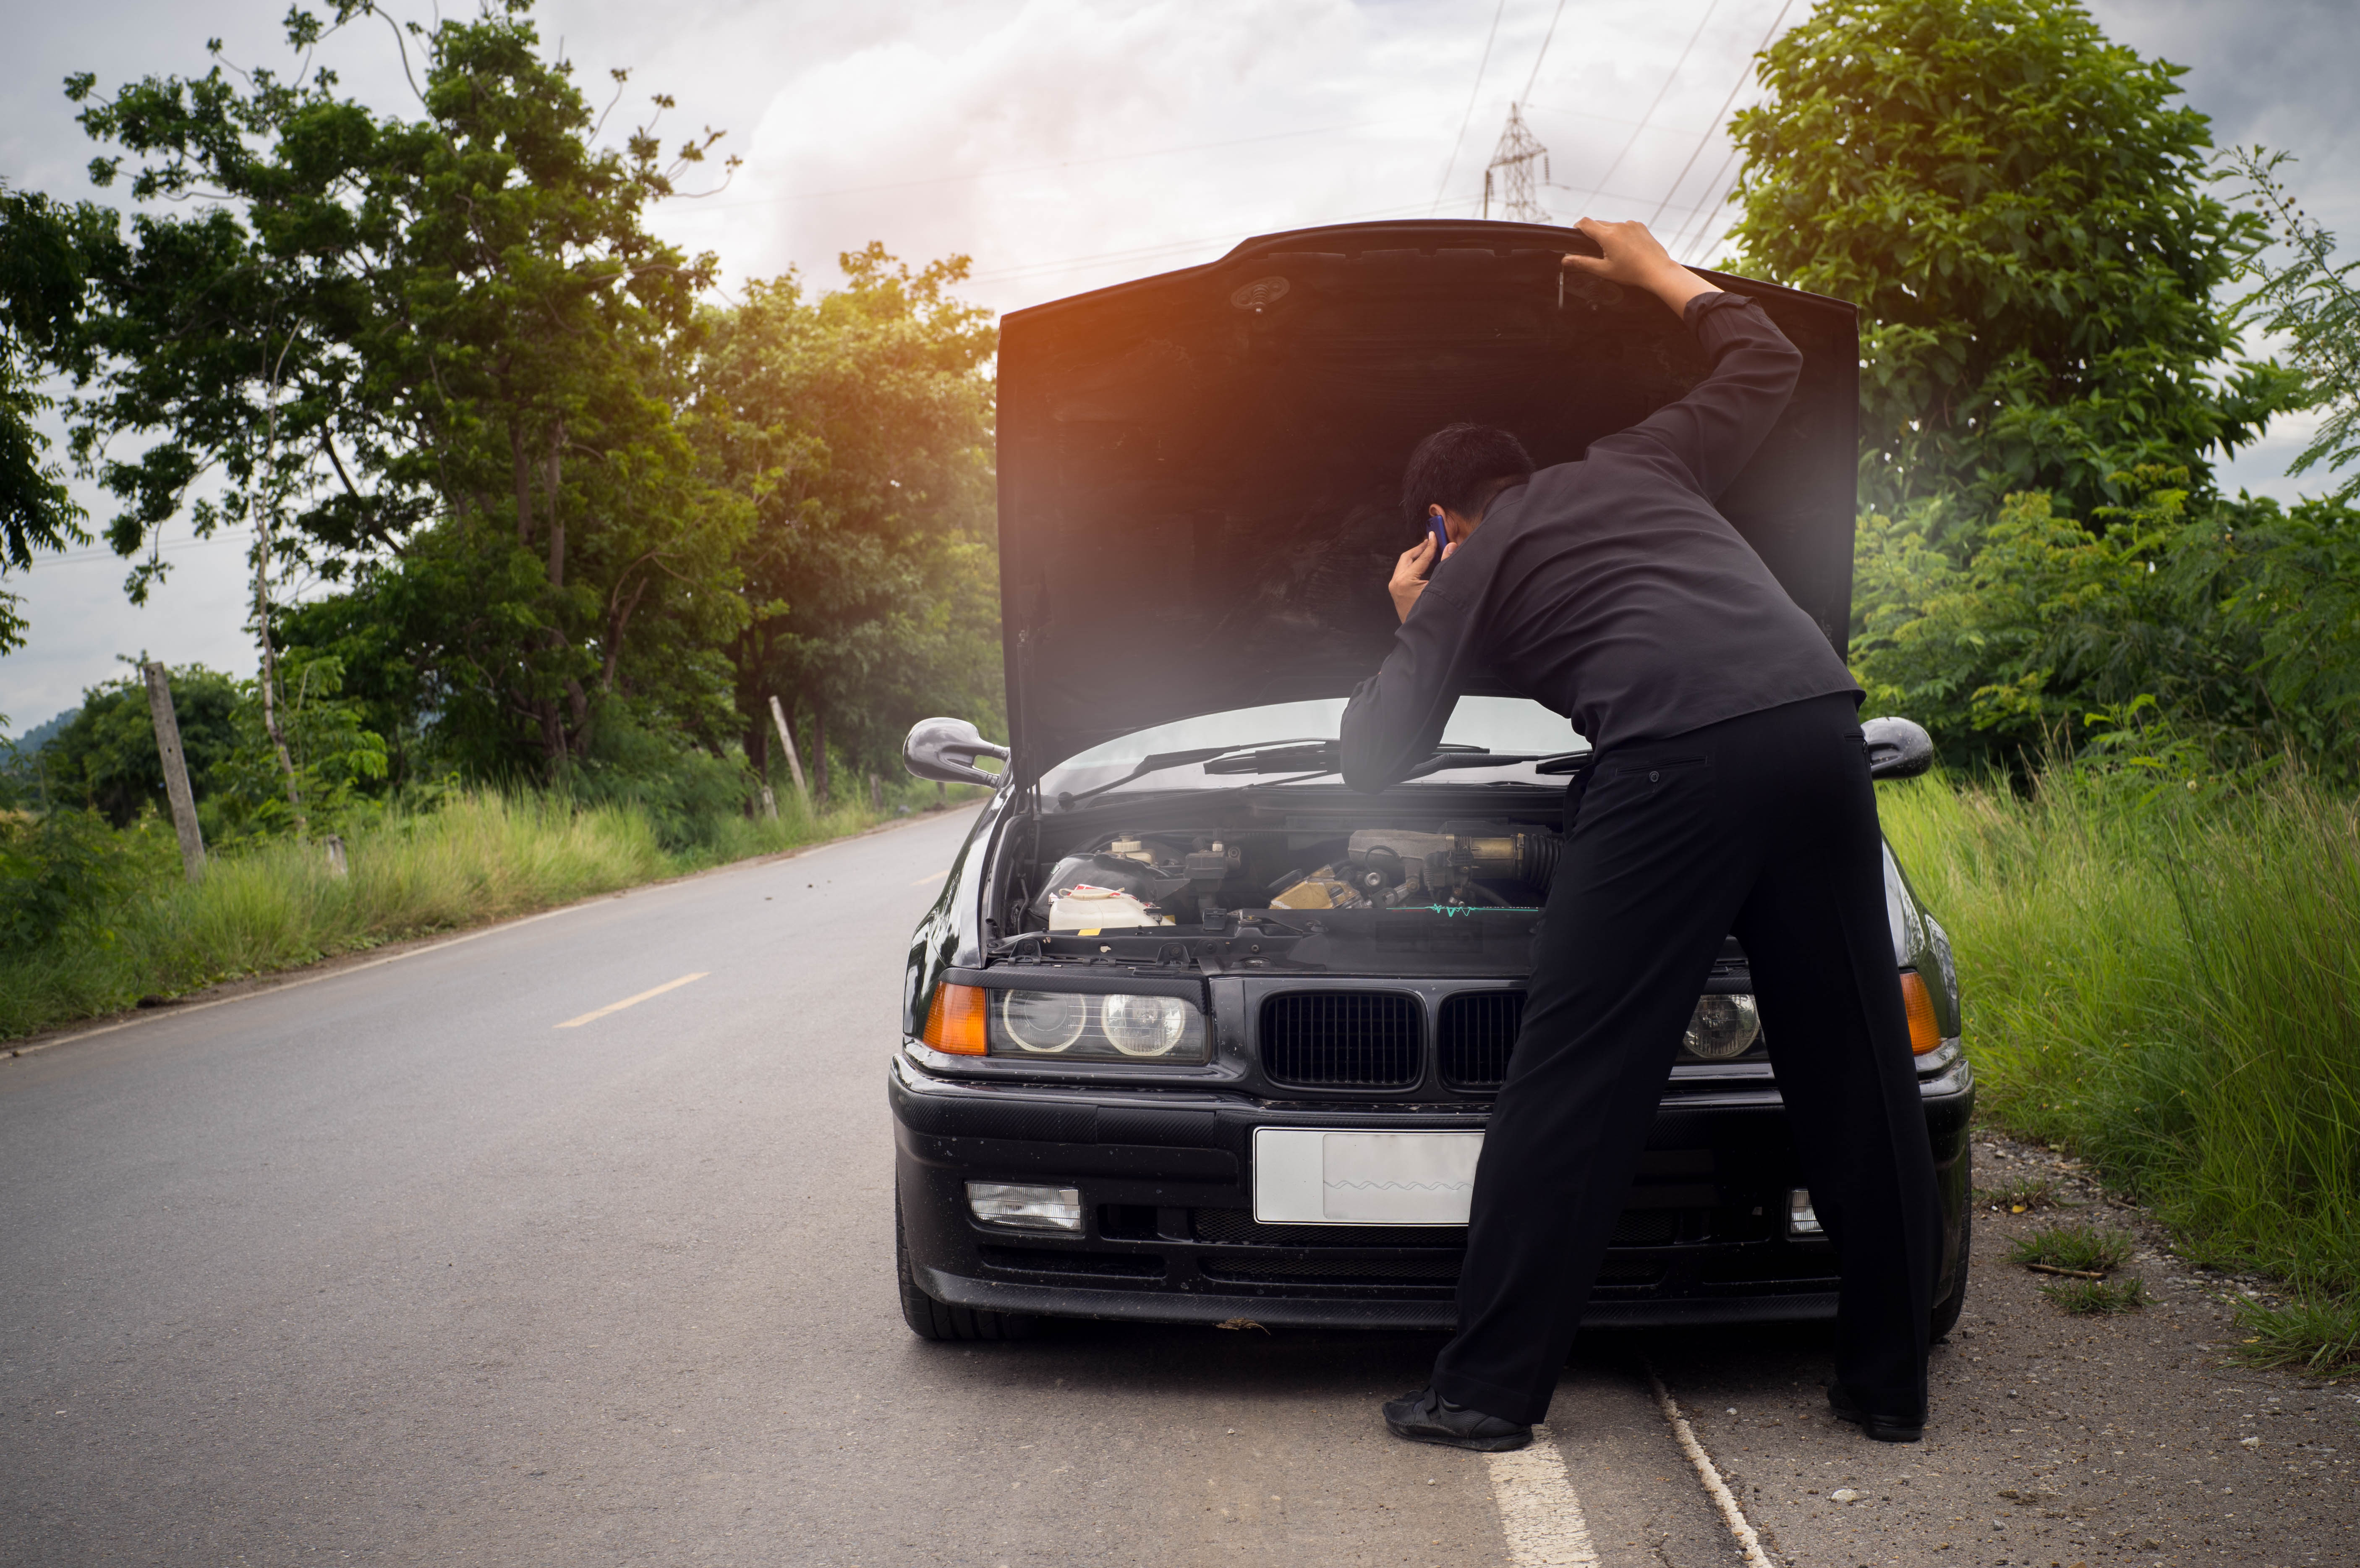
(1609, 589)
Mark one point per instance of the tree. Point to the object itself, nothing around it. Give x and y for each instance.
(40, 296)
(106, 761)
(443, 349)
(2020, 211)
(859, 423)
(2314, 301)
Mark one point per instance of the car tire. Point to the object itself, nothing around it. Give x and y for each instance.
(1947, 1310)
(931, 1319)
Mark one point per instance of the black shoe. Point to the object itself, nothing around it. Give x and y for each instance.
(1426, 1417)
(1884, 1429)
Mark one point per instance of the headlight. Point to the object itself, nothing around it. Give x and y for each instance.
(1723, 1027)
(1121, 1028)
(1145, 1026)
(1044, 1022)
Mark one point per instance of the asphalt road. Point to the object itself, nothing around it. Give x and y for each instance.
(397, 1267)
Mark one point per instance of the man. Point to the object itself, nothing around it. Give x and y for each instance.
(1729, 794)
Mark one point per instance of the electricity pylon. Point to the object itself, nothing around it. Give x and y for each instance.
(1509, 175)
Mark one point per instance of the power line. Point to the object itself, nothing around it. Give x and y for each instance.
(1675, 76)
(1536, 76)
(1452, 163)
(1702, 213)
(103, 552)
(1735, 87)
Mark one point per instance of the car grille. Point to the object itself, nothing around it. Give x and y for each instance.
(1343, 1271)
(1042, 1260)
(1396, 1272)
(1477, 1031)
(1632, 1228)
(1358, 1039)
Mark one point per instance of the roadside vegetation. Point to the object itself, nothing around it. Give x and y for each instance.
(2163, 976)
(110, 922)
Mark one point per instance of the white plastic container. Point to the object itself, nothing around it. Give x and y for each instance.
(1087, 909)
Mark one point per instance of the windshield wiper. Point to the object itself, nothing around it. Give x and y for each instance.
(1156, 762)
(1313, 759)
(1310, 761)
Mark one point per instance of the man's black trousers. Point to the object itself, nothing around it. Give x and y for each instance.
(1763, 825)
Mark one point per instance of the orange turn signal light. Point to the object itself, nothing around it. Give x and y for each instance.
(1924, 1031)
(955, 1023)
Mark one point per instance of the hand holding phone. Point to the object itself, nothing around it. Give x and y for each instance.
(1438, 531)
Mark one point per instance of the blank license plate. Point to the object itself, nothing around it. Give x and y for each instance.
(1304, 1176)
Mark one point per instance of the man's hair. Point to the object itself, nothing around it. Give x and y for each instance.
(1459, 468)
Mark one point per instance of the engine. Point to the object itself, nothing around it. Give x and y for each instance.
(1127, 880)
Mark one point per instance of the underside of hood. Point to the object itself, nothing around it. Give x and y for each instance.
(1199, 472)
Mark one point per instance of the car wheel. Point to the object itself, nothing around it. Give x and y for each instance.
(1947, 1310)
(931, 1319)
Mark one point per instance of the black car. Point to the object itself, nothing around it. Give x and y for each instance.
(1196, 1033)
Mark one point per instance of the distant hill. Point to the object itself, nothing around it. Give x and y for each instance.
(33, 739)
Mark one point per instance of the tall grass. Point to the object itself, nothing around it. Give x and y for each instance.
(2168, 983)
(474, 858)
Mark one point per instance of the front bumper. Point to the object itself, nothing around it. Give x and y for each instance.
(1168, 1234)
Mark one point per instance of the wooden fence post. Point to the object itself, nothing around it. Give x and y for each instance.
(794, 764)
(176, 770)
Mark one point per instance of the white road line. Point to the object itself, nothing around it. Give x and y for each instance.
(1730, 1514)
(596, 1014)
(1539, 1509)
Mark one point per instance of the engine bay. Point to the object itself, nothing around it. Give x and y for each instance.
(1399, 895)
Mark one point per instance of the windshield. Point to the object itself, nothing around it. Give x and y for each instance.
(1495, 723)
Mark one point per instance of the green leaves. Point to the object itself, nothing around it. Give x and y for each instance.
(2021, 212)
(859, 422)
(2312, 301)
(397, 342)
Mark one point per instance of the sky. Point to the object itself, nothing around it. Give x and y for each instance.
(1065, 145)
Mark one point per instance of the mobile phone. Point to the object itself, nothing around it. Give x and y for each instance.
(1439, 531)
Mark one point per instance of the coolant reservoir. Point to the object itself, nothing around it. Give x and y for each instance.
(1090, 909)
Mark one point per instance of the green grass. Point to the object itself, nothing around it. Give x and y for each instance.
(2168, 985)
(2318, 1335)
(2084, 1249)
(2020, 1193)
(473, 860)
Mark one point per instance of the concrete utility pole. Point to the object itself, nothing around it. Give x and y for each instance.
(794, 764)
(176, 768)
(1509, 175)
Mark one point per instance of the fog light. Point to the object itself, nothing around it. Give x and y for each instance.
(1800, 1220)
(1025, 1208)
(1723, 1027)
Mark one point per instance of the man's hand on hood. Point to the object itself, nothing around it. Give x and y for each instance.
(1634, 257)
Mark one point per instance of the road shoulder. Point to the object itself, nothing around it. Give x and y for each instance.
(2057, 1440)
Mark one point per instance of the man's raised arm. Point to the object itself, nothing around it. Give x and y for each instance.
(1714, 431)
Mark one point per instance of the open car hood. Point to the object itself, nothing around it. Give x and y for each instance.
(1199, 472)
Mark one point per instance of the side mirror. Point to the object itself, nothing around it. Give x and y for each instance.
(945, 750)
(1897, 748)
